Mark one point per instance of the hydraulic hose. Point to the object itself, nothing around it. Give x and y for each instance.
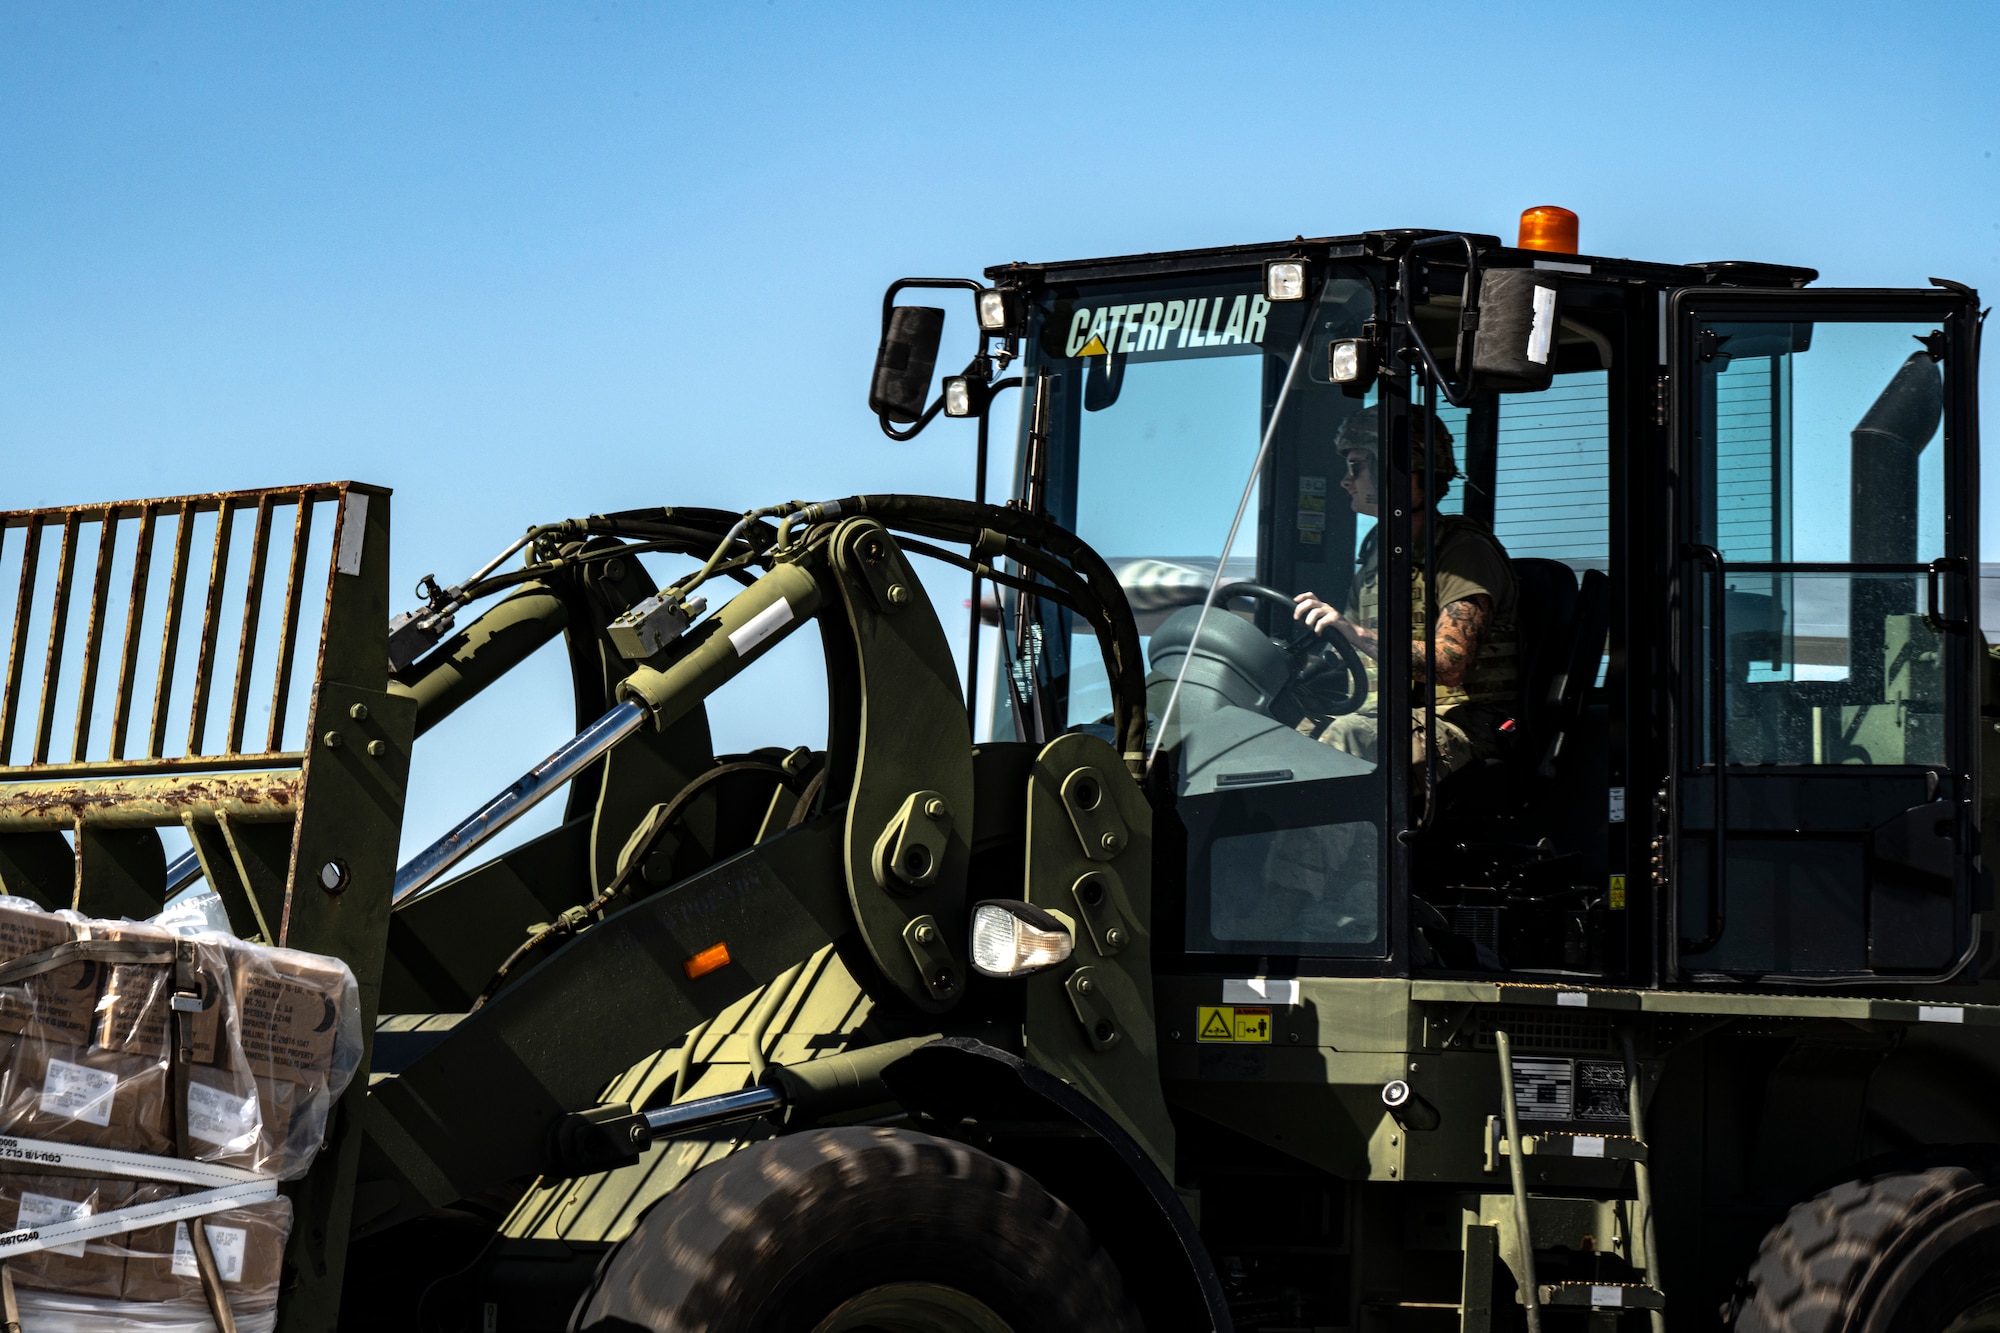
(1118, 636)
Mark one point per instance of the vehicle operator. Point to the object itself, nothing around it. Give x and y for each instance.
(1476, 680)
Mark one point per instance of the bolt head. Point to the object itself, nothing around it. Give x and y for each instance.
(926, 934)
(934, 807)
(1114, 937)
(1084, 985)
(332, 740)
(377, 749)
(1109, 842)
(898, 594)
(359, 712)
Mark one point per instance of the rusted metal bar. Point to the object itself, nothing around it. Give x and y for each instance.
(111, 768)
(17, 650)
(135, 617)
(170, 632)
(288, 628)
(93, 637)
(211, 626)
(45, 714)
(149, 802)
(246, 643)
(203, 502)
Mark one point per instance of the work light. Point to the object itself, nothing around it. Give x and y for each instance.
(1012, 938)
(958, 397)
(1348, 360)
(1285, 280)
(998, 311)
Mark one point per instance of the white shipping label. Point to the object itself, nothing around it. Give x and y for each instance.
(77, 1092)
(1940, 1013)
(1586, 1145)
(1611, 1296)
(745, 638)
(1543, 330)
(1617, 805)
(226, 1243)
(227, 1119)
(43, 1210)
(1573, 999)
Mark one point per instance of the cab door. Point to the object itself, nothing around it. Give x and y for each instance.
(1825, 490)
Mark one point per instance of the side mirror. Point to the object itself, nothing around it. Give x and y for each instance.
(905, 362)
(1514, 347)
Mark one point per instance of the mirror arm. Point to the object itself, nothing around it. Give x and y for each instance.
(1468, 317)
(889, 304)
(915, 426)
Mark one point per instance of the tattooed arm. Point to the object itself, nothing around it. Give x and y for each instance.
(1461, 629)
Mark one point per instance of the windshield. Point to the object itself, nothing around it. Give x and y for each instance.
(1159, 402)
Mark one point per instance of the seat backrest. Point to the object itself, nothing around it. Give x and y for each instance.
(1546, 606)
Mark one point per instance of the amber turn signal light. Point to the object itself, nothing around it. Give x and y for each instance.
(1546, 227)
(707, 961)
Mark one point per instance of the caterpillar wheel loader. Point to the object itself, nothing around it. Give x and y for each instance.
(1146, 1009)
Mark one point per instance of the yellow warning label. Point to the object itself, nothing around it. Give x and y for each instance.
(1096, 347)
(1617, 893)
(1228, 1023)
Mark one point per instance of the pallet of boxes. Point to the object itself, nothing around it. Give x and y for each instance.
(155, 1089)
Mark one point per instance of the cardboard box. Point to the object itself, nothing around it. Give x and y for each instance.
(288, 1008)
(135, 1010)
(56, 1006)
(237, 1120)
(249, 1246)
(85, 1268)
(70, 1094)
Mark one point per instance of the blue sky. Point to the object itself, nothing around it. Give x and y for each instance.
(524, 261)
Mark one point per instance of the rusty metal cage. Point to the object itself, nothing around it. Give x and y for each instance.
(144, 718)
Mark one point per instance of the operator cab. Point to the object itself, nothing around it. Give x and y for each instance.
(1737, 516)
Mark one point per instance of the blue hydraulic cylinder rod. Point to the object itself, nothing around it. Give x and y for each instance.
(423, 871)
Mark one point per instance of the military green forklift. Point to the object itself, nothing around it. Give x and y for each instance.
(1150, 1010)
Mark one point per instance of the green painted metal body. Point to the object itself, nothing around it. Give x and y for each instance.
(698, 923)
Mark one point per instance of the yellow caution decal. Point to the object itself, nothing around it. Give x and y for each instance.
(1231, 1023)
(1095, 347)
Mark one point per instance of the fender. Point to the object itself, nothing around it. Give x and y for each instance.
(1031, 1119)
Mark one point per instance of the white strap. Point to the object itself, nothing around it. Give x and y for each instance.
(120, 1220)
(38, 1154)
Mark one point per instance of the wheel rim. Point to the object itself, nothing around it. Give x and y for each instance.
(913, 1307)
(1983, 1317)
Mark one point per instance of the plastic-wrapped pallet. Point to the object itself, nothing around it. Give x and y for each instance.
(100, 1023)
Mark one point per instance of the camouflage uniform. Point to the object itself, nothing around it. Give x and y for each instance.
(1470, 562)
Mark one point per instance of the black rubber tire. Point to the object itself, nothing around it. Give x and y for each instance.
(1908, 1247)
(774, 1237)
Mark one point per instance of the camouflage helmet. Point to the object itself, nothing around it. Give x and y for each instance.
(1363, 432)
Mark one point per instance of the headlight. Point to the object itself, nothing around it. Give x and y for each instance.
(1285, 280)
(957, 397)
(1012, 939)
(996, 311)
(1349, 360)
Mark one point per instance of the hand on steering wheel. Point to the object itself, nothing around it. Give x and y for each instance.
(1328, 674)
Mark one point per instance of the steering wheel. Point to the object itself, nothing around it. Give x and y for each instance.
(1328, 675)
